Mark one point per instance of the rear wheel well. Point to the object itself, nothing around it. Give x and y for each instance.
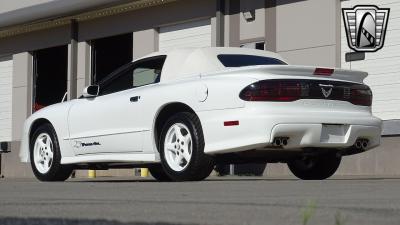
(165, 113)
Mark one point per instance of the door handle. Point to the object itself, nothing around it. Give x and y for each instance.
(135, 98)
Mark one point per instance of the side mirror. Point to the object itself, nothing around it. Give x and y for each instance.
(91, 91)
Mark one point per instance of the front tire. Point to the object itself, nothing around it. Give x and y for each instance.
(182, 149)
(315, 168)
(45, 155)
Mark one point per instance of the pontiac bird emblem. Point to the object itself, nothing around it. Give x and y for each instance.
(365, 27)
(326, 90)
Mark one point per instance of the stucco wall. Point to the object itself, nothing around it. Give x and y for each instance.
(306, 31)
(252, 30)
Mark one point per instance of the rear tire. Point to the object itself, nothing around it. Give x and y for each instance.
(182, 149)
(157, 171)
(45, 155)
(315, 168)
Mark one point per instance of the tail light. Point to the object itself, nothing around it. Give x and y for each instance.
(292, 90)
(272, 90)
(361, 95)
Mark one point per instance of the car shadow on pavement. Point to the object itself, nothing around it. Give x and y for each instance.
(150, 180)
(228, 179)
(61, 221)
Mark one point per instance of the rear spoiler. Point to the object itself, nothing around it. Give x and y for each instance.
(310, 71)
(266, 71)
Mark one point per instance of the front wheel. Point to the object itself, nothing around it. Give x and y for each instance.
(315, 168)
(182, 149)
(45, 155)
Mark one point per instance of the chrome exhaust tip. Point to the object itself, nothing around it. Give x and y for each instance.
(361, 144)
(364, 144)
(280, 141)
(285, 141)
(358, 144)
(277, 142)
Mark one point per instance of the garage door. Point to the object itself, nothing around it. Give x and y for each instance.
(193, 34)
(6, 69)
(383, 66)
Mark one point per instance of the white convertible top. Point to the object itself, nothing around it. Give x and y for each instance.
(187, 62)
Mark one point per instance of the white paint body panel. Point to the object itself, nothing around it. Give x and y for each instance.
(6, 72)
(116, 111)
(188, 75)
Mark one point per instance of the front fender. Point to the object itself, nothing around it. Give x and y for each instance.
(57, 115)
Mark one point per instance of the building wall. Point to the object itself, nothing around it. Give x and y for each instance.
(307, 30)
(83, 67)
(6, 67)
(35, 40)
(21, 106)
(251, 31)
(172, 13)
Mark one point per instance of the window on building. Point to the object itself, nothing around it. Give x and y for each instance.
(50, 76)
(110, 53)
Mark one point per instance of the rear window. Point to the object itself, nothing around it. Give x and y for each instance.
(232, 60)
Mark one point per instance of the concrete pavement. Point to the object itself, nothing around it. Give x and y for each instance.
(231, 200)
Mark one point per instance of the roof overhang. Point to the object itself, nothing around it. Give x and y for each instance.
(54, 21)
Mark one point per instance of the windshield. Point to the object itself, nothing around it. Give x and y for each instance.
(234, 60)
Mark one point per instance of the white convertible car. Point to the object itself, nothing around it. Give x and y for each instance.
(179, 113)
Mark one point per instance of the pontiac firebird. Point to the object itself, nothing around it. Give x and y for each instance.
(179, 113)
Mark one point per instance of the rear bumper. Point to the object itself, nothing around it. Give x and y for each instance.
(258, 126)
(325, 135)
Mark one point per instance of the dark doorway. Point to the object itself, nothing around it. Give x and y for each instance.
(108, 54)
(50, 76)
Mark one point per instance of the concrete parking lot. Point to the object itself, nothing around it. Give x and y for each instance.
(229, 200)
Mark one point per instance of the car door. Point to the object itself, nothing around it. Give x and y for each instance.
(110, 122)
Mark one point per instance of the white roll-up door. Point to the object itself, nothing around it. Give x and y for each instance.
(383, 66)
(6, 71)
(192, 34)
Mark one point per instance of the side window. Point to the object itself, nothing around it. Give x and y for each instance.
(148, 71)
(144, 72)
(122, 81)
